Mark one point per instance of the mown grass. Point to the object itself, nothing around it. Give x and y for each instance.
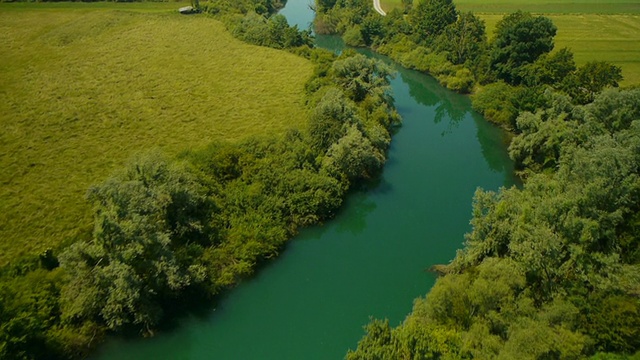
(83, 91)
(593, 29)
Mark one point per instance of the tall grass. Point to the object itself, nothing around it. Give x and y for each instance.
(82, 91)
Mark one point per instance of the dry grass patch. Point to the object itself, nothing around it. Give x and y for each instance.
(82, 91)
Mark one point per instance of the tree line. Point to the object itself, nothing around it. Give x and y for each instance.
(550, 270)
(508, 74)
(170, 230)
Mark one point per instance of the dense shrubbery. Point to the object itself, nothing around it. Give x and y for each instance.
(167, 230)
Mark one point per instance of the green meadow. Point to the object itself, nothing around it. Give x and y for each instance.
(84, 87)
(593, 29)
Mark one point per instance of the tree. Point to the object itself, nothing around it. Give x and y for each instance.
(542, 135)
(353, 157)
(360, 77)
(551, 69)
(590, 79)
(330, 119)
(464, 39)
(325, 5)
(615, 109)
(520, 39)
(430, 17)
(131, 264)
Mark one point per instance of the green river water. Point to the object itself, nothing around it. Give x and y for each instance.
(312, 302)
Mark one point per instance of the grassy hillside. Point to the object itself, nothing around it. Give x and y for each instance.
(82, 91)
(593, 30)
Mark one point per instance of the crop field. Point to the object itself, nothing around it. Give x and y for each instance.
(593, 29)
(84, 87)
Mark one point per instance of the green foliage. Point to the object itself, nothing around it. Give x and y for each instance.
(614, 109)
(590, 79)
(330, 119)
(28, 310)
(544, 134)
(362, 77)
(550, 69)
(353, 36)
(519, 40)
(272, 32)
(225, 7)
(415, 340)
(494, 101)
(614, 322)
(464, 39)
(353, 156)
(130, 265)
(462, 81)
(429, 18)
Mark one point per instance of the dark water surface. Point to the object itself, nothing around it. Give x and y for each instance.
(312, 302)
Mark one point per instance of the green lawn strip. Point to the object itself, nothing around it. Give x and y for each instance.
(83, 91)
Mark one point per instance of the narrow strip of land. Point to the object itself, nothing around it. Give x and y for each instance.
(376, 5)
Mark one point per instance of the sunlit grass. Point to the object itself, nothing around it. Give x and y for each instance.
(82, 91)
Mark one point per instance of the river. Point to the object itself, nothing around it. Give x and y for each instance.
(313, 301)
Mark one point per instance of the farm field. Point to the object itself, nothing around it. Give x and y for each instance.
(593, 30)
(83, 91)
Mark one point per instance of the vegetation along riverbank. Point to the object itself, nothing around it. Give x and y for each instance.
(549, 271)
(228, 158)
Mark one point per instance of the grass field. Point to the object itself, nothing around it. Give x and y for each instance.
(594, 30)
(83, 87)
